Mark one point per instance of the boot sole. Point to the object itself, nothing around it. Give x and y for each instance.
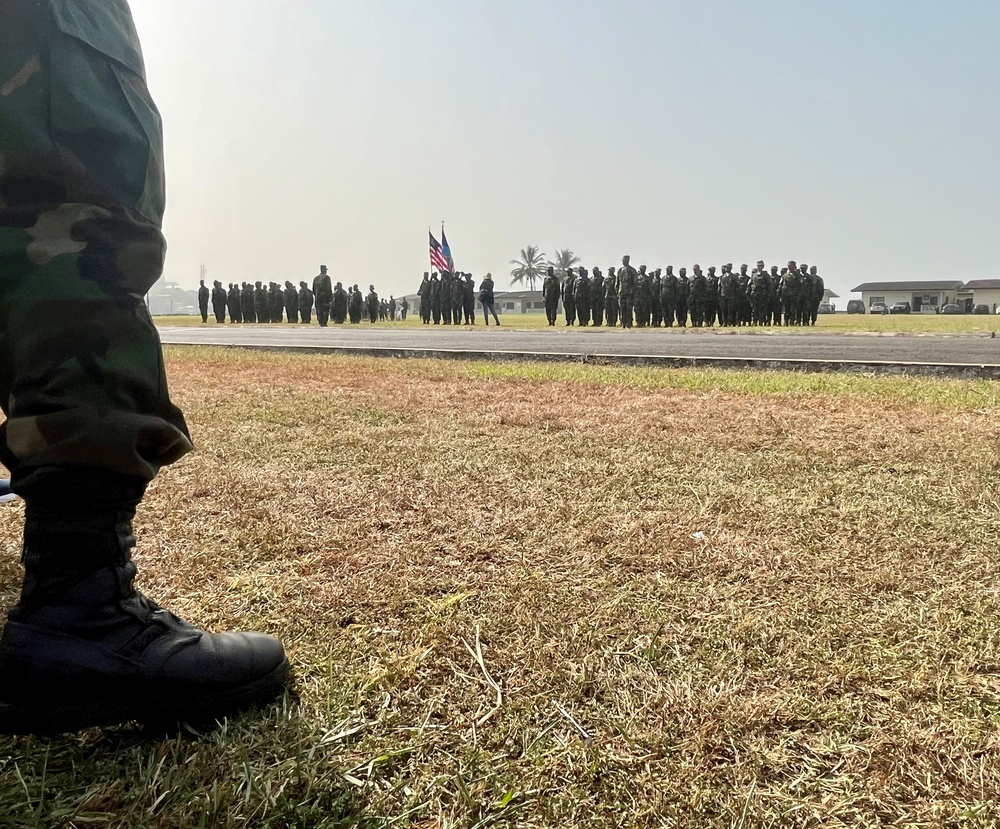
(50, 718)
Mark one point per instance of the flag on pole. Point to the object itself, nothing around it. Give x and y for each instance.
(438, 258)
(446, 250)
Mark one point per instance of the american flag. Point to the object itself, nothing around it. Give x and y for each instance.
(438, 258)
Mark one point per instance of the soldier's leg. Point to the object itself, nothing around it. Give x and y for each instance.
(89, 420)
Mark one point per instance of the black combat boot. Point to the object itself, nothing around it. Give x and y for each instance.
(84, 648)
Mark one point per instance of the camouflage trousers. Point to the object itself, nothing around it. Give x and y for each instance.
(82, 382)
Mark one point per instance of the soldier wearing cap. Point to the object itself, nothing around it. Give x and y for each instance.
(626, 291)
(611, 311)
(668, 296)
(581, 297)
(597, 296)
(711, 297)
(550, 293)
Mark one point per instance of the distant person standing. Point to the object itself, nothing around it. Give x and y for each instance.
(323, 293)
(372, 300)
(247, 303)
(627, 277)
(233, 303)
(581, 297)
(486, 298)
(424, 292)
(611, 297)
(550, 293)
(291, 303)
(355, 304)
(219, 302)
(469, 300)
(275, 301)
(261, 308)
(305, 303)
(569, 296)
(340, 298)
(203, 293)
(597, 297)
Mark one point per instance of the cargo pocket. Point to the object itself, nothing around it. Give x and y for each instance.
(102, 117)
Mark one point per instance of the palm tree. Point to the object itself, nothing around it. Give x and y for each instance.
(529, 269)
(565, 259)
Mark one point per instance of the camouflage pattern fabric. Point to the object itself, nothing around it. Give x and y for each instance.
(81, 202)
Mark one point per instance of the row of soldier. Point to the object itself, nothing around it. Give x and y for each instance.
(449, 298)
(625, 296)
(257, 303)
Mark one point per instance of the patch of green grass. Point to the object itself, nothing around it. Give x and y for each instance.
(979, 393)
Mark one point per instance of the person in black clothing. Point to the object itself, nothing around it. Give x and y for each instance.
(233, 303)
(305, 303)
(323, 294)
(469, 300)
(486, 298)
(291, 302)
(203, 294)
(219, 301)
(247, 303)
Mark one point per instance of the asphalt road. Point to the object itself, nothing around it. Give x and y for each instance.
(931, 349)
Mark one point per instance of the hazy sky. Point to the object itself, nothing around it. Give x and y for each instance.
(856, 135)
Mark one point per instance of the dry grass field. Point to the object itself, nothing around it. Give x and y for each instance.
(565, 596)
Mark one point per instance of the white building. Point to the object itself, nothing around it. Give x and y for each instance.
(985, 292)
(924, 297)
(520, 302)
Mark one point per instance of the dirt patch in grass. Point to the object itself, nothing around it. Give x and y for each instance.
(567, 596)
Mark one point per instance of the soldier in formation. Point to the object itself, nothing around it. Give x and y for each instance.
(597, 297)
(456, 298)
(569, 297)
(323, 294)
(550, 294)
(581, 297)
(247, 303)
(424, 292)
(435, 295)
(218, 301)
(233, 303)
(355, 304)
(469, 300)
(611, 298)
(306, 299)
(203, 294)
(338, 305)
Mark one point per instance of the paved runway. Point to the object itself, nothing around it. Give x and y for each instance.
(928, 349)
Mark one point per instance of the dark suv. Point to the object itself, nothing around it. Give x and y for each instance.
(855, 306)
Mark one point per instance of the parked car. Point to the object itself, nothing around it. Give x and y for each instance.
(855, 306)
(900, 308)
(950, 308)
(877, 308)
(825, 308)
(981, 309)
